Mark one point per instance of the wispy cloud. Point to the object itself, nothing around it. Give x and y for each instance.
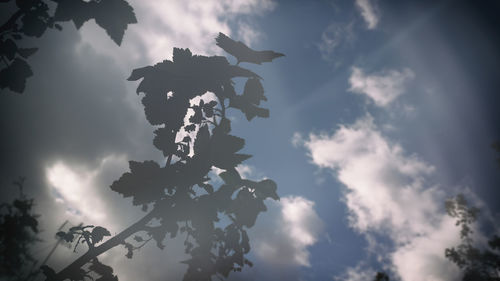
(382, 87)
(369, 11)
(387, 194)
(334, 36)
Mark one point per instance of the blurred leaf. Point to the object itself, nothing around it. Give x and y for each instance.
(14, 76)
(26, 52)
(98, 234)
(8, 48)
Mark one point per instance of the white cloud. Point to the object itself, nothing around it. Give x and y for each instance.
(386, 194)
(78, 189)
(383, 87)
(163, 25)
(360, 272)
(284, 241)
(369, 11)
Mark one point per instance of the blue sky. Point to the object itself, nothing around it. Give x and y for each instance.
(379, 112)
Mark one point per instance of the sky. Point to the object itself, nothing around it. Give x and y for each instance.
(380, 111)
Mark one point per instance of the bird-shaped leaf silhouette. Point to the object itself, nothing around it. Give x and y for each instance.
(112, 15)
(14, 76)
(243, 53)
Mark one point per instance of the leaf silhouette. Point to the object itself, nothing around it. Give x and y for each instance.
(112, 15)
(98, 234)
(145, 182)
(244, 53)
(14, 76)
(26, 52)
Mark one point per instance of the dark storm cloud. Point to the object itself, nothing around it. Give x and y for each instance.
(76, 109)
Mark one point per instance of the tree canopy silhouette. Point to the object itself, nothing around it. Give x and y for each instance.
(180, 196)
(476, 263)
(32, 18)
(18, 232)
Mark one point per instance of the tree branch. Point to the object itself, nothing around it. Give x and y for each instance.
(111, 243)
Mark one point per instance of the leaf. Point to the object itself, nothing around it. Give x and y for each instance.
(48, 272)
(114, 16)
(33, 23)
(130, 250)
(100, 268)
(224, 148)
(201, 143)
(249, 109)
(145, 183)
(14, 76)
(266, 189)
(253, 91)
(8, 48)
(26, 52)
(98, 234)
(231, 177)
(140, 73)
(190, 128)
(245, 242)
(68, 237)
(25, 4)
(77, 11)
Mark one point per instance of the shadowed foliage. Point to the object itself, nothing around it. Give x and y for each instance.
(18, 232)
(33, 17)
(477, 263)
(381, 276)
(180, 195)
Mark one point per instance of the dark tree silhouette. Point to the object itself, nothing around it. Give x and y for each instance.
(18, 232)
(381, 276)
(178, 196)
(476, 263)
(32, 18)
